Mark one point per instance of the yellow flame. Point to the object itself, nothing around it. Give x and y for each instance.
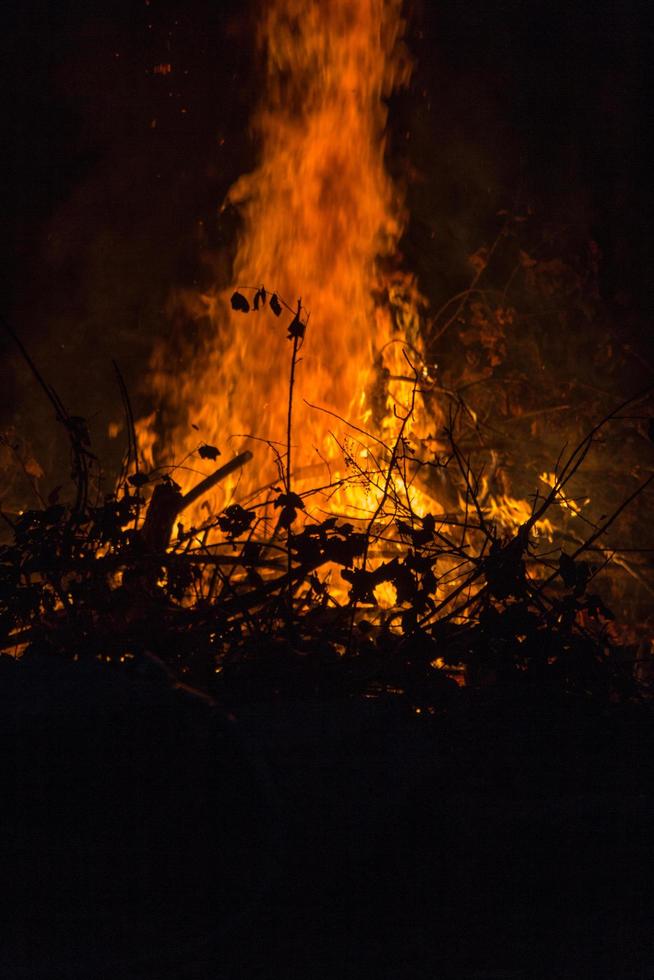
(385, 595)
(512, 512)
(574, 506)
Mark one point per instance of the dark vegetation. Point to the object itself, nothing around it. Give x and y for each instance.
(217, 734)
(102, 579)
(271, 593)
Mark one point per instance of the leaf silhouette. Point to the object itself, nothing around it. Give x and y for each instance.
(363, 583)
(296, 328)
(289, 500)
(275, 305)
(138, 479)
(208, 452)
(235, 520)
(239, 302)
(290, 503)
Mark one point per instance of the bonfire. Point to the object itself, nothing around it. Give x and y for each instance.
(334, 493)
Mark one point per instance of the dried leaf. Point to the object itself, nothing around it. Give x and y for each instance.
(289, 500)
(289, 503)
(138, 479)
(296, 328)
(275, 305)
(208, 452)
(239, 302)
(235, 520)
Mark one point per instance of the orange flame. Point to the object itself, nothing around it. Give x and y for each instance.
(318, 213)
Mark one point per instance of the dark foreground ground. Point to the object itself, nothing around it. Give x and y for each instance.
(147, 836)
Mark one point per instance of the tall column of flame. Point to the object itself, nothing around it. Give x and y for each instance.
(317, 213)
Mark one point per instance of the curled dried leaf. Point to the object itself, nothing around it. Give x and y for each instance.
(275, 305)
(239, 302)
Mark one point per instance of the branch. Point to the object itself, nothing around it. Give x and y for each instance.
(204, 486)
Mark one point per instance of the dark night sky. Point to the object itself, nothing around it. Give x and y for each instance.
(540, 101)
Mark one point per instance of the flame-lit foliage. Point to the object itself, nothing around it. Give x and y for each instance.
(272, 597)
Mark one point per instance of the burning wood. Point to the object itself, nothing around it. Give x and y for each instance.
(168, 502)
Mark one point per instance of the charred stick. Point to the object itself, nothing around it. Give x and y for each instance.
(167, 502)
(209, 482)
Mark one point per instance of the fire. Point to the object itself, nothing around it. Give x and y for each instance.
(567, 503)
(318, 214)
(321, 224)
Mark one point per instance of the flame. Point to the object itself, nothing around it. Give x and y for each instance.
(385, 595)
(565, 502)
(321, 220)
(511, 513)
(318, 214)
